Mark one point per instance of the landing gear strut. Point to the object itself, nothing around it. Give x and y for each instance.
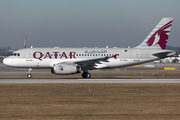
(86, 75)
(29, 74)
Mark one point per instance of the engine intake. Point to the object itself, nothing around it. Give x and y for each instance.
(64, 69)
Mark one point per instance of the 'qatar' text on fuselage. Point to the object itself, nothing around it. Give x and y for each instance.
(48, 55)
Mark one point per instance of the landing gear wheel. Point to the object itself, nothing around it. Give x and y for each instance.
(86, 75)
(29, 75)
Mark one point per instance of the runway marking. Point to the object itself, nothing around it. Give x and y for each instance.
(170, 68)
(75, 81)
(126, 79)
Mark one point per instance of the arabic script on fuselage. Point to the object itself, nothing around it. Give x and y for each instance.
(95, 51)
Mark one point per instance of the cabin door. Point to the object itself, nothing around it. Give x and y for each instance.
(136, 55)
(29, 55)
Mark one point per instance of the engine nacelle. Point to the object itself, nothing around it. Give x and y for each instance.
(64, 69)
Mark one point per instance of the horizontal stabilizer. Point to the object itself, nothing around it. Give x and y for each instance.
(164, 54)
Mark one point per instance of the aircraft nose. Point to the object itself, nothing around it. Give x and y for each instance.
(6, 61)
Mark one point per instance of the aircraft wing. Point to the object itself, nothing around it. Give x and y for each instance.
(90, 62)
(164, 54)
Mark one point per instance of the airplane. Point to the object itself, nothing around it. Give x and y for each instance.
(64, 61)
(173, 59)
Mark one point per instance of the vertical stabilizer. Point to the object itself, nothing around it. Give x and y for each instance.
(158, 37)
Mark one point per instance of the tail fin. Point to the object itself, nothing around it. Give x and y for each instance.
(176, 55)
(158, 36)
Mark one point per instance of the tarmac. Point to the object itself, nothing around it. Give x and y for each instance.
(82, 81)
(5, 70)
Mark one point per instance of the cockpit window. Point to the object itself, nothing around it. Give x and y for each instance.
(12, 54)
(15, 54)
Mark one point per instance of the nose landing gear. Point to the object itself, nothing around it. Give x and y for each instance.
(29, 74)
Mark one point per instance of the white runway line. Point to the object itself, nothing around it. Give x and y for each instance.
(75, 81)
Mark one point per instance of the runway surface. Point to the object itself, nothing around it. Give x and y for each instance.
(5, 70)
(77, 81)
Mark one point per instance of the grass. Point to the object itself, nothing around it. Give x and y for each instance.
(74, 102)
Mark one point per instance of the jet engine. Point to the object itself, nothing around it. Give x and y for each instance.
(64, 69)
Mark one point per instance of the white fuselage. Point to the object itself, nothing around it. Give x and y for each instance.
(47, 57)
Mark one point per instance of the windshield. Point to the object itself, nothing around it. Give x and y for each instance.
(15, 54)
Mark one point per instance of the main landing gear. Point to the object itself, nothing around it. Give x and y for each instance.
(86, 75)
(29, 74)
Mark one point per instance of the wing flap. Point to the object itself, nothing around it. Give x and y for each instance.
(94, 60)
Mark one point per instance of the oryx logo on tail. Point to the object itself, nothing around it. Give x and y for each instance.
(160, 36)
